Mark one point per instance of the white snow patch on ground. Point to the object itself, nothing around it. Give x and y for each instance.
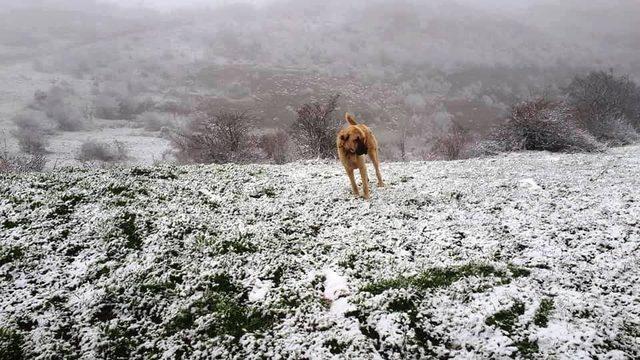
(335, 286)
(260, 290)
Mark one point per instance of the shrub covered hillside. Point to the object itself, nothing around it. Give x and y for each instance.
(524, 255)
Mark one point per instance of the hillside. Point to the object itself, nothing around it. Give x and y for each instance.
(530, 255)
(398, 64)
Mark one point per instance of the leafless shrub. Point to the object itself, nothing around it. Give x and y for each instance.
(541, 124)
(106, 107)
(214, 136)
(93, 150)
(130, 107)
(175, 108)
(57, 104)
(154, 121)
(451, 144)
(315, 128)
(19, 163)
(31, 131)
(67, 117)
(603, 103)
(274, 145)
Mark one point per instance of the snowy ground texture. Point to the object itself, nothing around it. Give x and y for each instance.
(527, 255)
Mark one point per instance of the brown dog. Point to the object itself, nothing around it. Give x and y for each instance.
(353, 142)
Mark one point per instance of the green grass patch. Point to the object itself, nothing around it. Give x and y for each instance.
(128, 228)
(442, 277)
(541, 318)
(11, 344)
(120, 342)
(227, 314)
(10, 254)
(526, 348)
(506, 319)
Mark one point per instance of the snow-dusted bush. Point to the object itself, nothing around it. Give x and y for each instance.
(315, 128)
(106, 107)
(541, 124)
(214, 136)
(451, 145)
(275, 146)
(619, 132)
(154, 121)
(31, 130)
(130, 107)
(604, 103)
(67, 117)
(59, 103)
(93, 150)
(20, 163)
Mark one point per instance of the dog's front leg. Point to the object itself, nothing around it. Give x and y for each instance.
(352, 179)
(363, 174)
(373, 154)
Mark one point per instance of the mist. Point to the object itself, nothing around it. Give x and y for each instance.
(423, 65)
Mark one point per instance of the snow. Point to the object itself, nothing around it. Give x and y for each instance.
(530, 184)
(260, 290)
(203, 262)
(335, 286)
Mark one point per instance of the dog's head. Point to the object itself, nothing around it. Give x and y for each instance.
(352, 140)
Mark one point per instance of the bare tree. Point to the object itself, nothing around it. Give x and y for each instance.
(274, 145)
(451, 144)
(214, 136)
(315, 128)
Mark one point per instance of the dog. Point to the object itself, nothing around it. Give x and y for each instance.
(353, 142)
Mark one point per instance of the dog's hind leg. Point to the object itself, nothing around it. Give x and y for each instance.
(362, 166)
(373, 154)
(352, 179)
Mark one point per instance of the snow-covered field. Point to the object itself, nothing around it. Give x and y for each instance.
(524, 255)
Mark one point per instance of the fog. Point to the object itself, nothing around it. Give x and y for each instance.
(423, 65)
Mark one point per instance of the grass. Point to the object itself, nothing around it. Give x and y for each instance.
(120, 342)
(541, 318)
(128, 227)
(223, 309)
(11, 343)
(442, 277)
(9, 254)
(506, 319)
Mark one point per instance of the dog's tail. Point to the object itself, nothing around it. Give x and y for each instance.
(350, 119)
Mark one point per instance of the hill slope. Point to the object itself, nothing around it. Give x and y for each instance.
(531, 255)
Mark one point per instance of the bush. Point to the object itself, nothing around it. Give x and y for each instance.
(101, 151)
(19, 163)
(106, 107)
(154, 121)
(451, 144)
(175, 108)
(57, 104)
(31, 132)
(67, 118)
(214, 136)
(542, 125)
(129, 108)
(315, 128)
(604, 103)
(274, 145)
